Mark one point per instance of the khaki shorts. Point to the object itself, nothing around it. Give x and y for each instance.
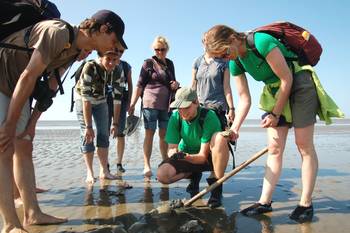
(23, 119)
(303, 100)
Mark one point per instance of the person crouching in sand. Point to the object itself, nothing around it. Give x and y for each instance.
(195, 145)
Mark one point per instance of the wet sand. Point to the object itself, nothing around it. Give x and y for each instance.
(106, 206)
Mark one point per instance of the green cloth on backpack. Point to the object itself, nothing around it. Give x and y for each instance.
(328, 108)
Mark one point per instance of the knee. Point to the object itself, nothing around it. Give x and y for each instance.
(218, 142)
(304, 146)
(275, 149)
(162, 177)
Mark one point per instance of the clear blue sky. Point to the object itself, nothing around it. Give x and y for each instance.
(183, 22)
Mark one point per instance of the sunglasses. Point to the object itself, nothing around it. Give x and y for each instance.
(119, 50)
(160, 49)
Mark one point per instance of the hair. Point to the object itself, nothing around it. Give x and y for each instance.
(162, 40)
(92, 26)
(219, 38)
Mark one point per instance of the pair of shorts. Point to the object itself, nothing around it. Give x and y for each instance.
(303, 100)
(23, 119)
(100, 116)
(122, 114)
(183, 166)
(151, 116)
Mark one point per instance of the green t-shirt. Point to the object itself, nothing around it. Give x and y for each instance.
(191, 135)
(258, 68)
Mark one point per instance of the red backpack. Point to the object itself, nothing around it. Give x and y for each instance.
(295, 38)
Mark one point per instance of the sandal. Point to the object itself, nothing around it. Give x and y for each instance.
(302, 214)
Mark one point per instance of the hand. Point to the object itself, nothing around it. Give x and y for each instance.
(89, 135)
(269, 121)
(231, 115)
(174, 85)
(29, 131)
(131, 109)
(178, 155)
(114, 130)
(230, 134)
(7, 136)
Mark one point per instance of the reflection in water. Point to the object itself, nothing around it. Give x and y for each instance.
(191, 219)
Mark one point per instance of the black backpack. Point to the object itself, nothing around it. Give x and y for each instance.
(19, 14)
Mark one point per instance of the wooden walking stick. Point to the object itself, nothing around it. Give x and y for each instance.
(225, 177)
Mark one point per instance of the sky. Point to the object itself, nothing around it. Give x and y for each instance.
(183, 23)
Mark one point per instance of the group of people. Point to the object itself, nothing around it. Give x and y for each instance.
(190, 138)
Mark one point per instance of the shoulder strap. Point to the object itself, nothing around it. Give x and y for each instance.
(251, 45)
(202, 116)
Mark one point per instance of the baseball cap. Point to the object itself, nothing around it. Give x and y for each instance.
(112, 20)
(184, 97)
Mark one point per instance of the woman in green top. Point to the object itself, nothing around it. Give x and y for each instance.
(294, 90)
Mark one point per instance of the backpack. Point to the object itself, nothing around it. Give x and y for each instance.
(294, 37)
(16, 15)
(223, 124)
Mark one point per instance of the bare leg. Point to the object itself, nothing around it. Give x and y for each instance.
(10, 219)
(88, 158)
(305, 143)
(25, 180)
(163, 146)
(220, 154)
(276, 140)
(120, 149)
(166, 174)
(147, 151)
(103, 157)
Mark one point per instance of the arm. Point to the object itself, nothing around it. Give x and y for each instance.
(130, 88)
(23, 90)
(244, 104)
(89, 132)
(228, 95)
(135, 96)
(172, 148)
(279, 66)
(202, 155)
(194, 80)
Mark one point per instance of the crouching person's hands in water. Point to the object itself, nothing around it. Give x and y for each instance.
(178, 155)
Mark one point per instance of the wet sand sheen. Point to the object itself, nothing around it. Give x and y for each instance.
(105, 206)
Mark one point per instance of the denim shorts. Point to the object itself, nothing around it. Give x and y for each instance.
(151, 116)
(100, 117)
(23, 119)
(122, 114)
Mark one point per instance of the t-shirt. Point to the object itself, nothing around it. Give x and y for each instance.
(50, 38)
(155, 81)
(91, 85)
(258, 68)
(117, 82)
(210, 82)
(191, 134)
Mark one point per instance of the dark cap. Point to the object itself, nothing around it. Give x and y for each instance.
(112, 20)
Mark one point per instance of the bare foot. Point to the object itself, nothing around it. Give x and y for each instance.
(43, 219)
(108, 176)
(147, 172)
(40, 190)
(18, 202)
(14, 230)
(90, 180)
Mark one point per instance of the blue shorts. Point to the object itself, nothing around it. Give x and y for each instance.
(151, 116)
(100, 116)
